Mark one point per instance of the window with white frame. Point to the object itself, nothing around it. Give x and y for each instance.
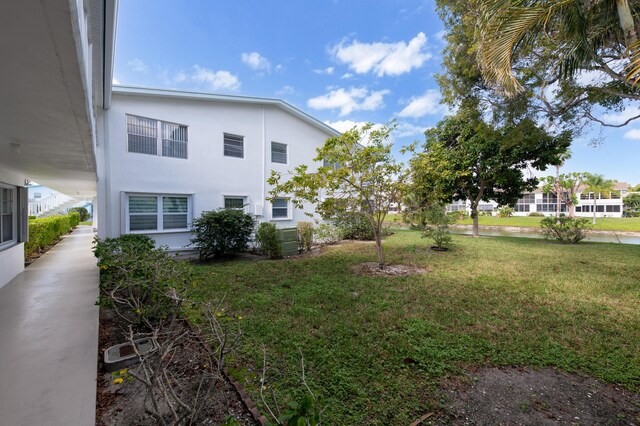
(231, 202)
(280, 208)
(154, 137)
(152, 212)
(278, 153)
(7, 215)
(233, 145)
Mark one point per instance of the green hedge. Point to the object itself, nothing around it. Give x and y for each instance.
(45, 231)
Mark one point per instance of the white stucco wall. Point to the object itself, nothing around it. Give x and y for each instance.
(11, 256)
(207, 175)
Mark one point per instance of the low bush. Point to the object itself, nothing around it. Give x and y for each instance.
(485, 213)
(354, 226)
(46, 231)
(565, 229)
(268, 241)
(224, 232)
(305, 236)
(327, 233)
(438, 226)
(536, 214)
(138, 280)
(458, 215)
(84, 213)
(505, 212)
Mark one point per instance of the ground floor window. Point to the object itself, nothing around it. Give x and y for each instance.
(615, 208)
(7, 215)
(280, 208)
(153, 212)
(234, 202)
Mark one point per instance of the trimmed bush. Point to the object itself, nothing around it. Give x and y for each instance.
(268, 241)
(565, 229)
(84, 213)
(458, 215)
(354, 226)
(305, 236)
(224, 232)
(327, 233)
(536, 214)
(46, 231)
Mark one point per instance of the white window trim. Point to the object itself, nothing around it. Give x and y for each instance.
(289, 211)
(125, 213)
(14, 216)
(286, 163)
(243, 196)
(158, 136)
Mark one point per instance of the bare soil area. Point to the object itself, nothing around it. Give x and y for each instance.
(372, 269)
(123, 404)
(524, 396)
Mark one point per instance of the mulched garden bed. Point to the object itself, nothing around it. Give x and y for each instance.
(123, 404)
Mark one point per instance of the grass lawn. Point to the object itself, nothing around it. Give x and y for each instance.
(602, 224)
(375, 349)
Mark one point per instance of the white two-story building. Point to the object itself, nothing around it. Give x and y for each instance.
(167, 156)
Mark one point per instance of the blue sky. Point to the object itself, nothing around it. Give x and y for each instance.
(342, 61)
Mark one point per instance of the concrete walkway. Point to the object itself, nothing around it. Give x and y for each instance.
(49, 338)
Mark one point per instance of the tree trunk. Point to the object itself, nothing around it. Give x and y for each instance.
(594, 208)
(626, 22)
(557, 191)
(474, 216)
(378, 237)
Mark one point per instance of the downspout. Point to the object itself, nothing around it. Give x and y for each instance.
(264, 161)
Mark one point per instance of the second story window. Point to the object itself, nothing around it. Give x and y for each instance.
(143, 137)
(278, 153)
(233, 145)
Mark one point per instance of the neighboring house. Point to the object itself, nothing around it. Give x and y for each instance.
(607, 205)
(171, 155)
(56, 81)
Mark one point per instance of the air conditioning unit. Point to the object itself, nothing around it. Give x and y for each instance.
(258, 209)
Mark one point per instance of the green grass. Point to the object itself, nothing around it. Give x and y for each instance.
(88, 222)
(631, 224)
(376, 348)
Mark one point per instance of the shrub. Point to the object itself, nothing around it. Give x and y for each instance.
(305, 236)
(536, 214)
(84, 213)
(565, 229)
(268, 241)
(354, 226)
(485, 213)
(458, 215)
(438, 225)
(223, 232)
(46, 231)
(139, 281)
(505, 211)
(327, 233)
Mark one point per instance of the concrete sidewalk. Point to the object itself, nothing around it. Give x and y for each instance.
(49, 338)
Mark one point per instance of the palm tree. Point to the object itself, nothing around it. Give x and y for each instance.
(580, 28)
(558, 186)
(597, 184)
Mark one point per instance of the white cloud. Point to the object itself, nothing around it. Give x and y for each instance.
(353, 99)
(216, 80)
(327, 71)
(286, 90)
(383, 58)
(346, 76)
(115, 81)
(256, 61)
(621, 117)
(138, 65)
(405, 129)
(427, 104)
(632, 134)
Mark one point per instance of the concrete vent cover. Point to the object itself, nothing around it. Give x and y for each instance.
(123, 355)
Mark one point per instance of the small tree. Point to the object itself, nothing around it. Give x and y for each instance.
(359, 175)
(437, 227)
(223, 232)
(565, 184)
(598, 185)
(631, 203)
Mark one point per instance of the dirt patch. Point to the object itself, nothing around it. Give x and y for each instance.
(372, 269)
(124, 404)
(526, 396)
